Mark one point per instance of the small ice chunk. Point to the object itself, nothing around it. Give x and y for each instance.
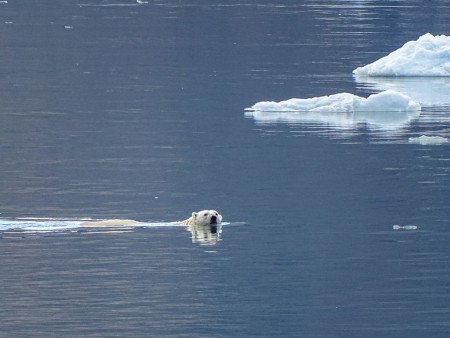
(427, 56)
(404, 227)
(386, 101)
(428, 140)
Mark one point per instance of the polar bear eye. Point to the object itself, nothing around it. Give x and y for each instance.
(205, 214)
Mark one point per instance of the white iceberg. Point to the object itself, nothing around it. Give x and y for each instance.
(427, 56)
(386, 101)
(387, 110)
(426, 140)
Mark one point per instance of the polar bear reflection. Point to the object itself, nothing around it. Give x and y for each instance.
(205, 234)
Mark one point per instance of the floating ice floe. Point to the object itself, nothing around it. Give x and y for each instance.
(387, 101)
(427, 56)
(404, 227)
(425, 140)
(388, 109)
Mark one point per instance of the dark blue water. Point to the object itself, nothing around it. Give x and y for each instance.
(115, 109)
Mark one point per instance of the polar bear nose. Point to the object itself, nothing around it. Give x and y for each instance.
(213, 219)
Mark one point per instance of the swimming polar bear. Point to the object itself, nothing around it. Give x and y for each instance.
(201, 218)
(205, 226)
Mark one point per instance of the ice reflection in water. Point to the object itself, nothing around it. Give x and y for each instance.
(339, 121)
(428, 91)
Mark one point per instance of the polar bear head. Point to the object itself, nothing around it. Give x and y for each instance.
(206, 217)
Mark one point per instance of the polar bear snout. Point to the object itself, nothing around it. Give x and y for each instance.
(207, 217)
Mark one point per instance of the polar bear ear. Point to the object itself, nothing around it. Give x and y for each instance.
(194, 215)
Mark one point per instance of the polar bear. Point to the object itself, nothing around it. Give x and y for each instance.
(203, 218)
(205, 226)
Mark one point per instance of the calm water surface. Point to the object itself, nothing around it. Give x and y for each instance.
(136, 110)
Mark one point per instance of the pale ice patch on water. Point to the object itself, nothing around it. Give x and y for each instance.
(386, 110)
(404, 227)
(427, 140)
(427, 56)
